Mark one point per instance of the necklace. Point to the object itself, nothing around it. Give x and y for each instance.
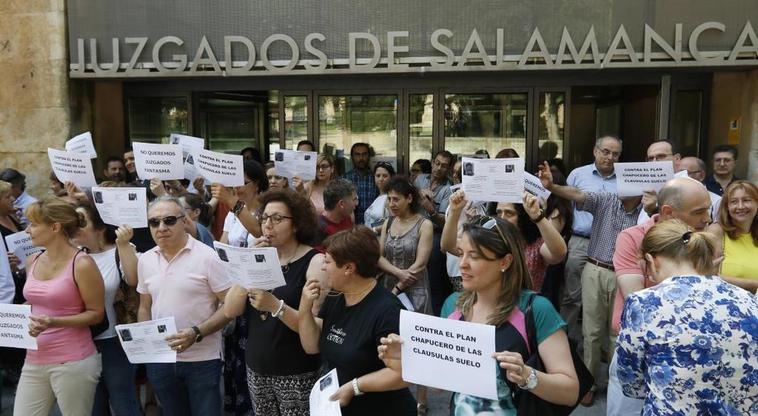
(286, 267)
(371, 285)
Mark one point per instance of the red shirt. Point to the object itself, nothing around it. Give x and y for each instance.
(327, 228)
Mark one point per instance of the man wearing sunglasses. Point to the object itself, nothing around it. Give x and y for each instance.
(685, 199)
(183, 278)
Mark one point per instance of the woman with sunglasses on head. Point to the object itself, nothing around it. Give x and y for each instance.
(737, 235)
(377, 212)
(688, 344)
(65, 289)
(326, 171)
(241, 229)
(363, 311)
(116, 259)
(496, 290)
(280, 374)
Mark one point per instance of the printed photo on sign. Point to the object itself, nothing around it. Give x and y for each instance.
(323, 389)
(498, 180)
(461, 350)
(145, 342)
(72, 167)
(161, 161)
(251, 268)
(121, 206)
(291, 163)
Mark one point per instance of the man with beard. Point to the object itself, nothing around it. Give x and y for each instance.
(363, 179)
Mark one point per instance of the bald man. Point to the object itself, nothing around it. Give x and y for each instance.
(681, 198)
(695, 169)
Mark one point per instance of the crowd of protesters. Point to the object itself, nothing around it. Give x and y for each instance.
(661, 287)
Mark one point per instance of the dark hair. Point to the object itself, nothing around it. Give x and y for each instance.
(357, 245)
(304, 215)
(308, 142)
(387, 166)
(402, 185)
(254, 170)
(256, 153)
(725, 148)
(425, 165)
(528, 229)
(447, 155)
(563, 206)
(113, 159)
(97, 222)
(359, 144)
(506, 153)
(12, 176)
(335, 191)
(515, 279)
(482, 152)
(194, 201)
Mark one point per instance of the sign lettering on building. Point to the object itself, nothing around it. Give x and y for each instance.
(371, 53)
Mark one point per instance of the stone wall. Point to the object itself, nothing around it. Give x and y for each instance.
(734, 95)
(37, 107)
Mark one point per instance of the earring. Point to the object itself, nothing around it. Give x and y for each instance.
(502, 270)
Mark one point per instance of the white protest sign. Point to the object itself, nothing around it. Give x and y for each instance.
(82, 144)
(499, 180)
(251, 268)
(162, 161)
(323, 389)
(632, 179)
(218, 167)
(532, 184)
(122, 206)
(461, 350)
(20, 244)
(145, 342)
(72, 167)
(682, 174)
(291, 163)
(406, 301)
(14, 327)
(188, 143)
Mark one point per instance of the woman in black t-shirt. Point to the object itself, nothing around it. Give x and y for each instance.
(350, 325)
(280, 374)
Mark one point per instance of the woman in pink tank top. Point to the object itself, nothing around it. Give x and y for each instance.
(66, 292)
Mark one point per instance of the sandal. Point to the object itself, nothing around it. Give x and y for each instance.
(421, 409)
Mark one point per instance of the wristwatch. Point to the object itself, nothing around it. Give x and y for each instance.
(198, 334)
(531, 381)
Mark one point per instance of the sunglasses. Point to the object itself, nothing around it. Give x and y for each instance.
(488, 223)
(169, 221)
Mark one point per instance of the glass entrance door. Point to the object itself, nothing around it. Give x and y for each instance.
(230, 122)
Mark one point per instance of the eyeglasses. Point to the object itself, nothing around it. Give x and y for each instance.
(325, 166)
(275, 218)
(488, 223)
(606, 153)
(169, 221)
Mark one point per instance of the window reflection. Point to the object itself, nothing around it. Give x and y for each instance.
(550, 131)
(153, 119)
(420, 122)
(485, 122)
(295, 120)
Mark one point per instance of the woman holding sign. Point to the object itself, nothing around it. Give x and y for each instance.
(350, 324)
(496, 290)
(280, 373)
(65, 289)
(326, 171)
(116, 259)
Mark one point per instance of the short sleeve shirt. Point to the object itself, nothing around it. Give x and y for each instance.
(441, 194)
(236, 232)
(609, 218)
(185, 288)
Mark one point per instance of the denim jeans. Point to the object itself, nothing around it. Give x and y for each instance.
(116, 390)
(187, 388)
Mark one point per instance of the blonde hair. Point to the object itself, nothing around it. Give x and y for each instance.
(4, 187)
(725, 220)
(54, 210)
(514, 279)
(323, 157)
(673, 239)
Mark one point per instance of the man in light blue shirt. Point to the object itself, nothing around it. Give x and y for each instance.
(595, 177)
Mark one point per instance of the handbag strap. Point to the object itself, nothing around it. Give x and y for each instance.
(531, 330)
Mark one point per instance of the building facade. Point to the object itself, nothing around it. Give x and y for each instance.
(543, 77)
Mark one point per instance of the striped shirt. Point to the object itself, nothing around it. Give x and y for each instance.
(609, 218)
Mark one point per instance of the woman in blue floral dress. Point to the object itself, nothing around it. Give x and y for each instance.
(688, 345)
